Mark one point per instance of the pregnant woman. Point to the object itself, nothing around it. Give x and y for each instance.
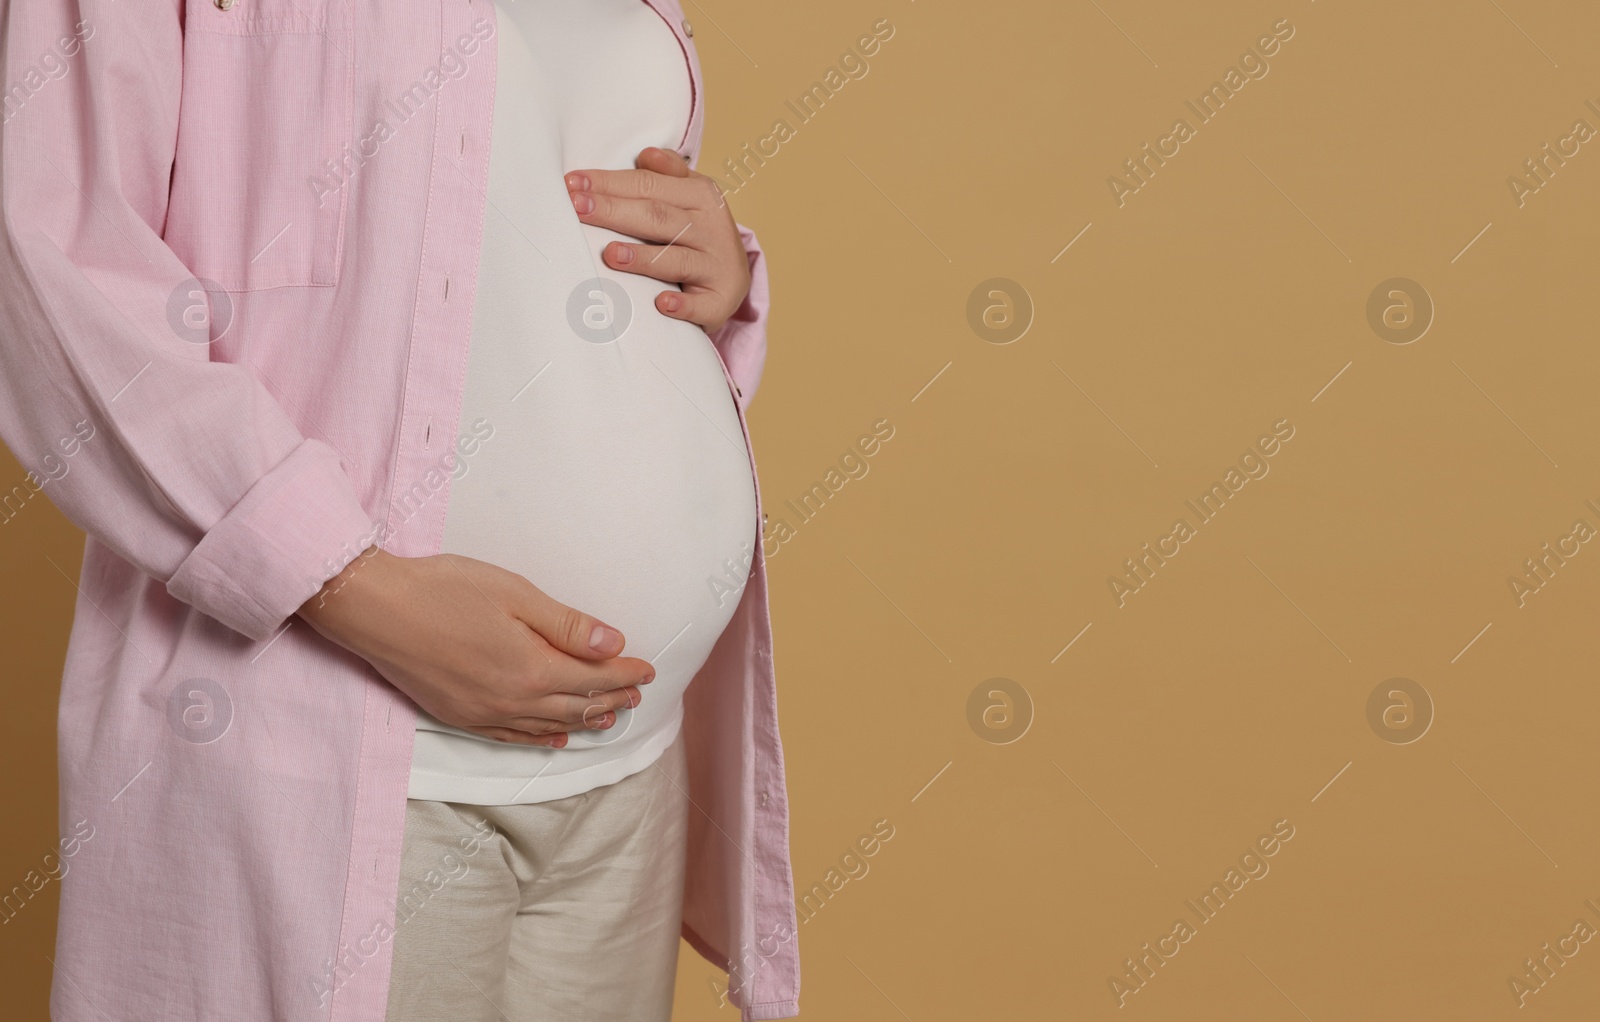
(616, 478)
(421, 666)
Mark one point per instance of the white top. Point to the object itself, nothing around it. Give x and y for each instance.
(614, 475)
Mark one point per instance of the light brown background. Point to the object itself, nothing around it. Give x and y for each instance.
(1226, 695)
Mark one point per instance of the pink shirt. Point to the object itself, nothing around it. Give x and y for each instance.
(321, 166)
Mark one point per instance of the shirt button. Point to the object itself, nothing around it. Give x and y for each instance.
(688, 29)
(224, 4)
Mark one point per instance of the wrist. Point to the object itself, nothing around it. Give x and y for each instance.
(341, 597)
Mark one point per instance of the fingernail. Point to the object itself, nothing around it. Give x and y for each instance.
(582, 202)
(600, 637)
(577, 181)
(623, 254)
(671, 302)
(647, 679)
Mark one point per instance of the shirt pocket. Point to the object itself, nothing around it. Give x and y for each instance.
(262, 163)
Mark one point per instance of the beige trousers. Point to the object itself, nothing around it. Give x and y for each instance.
(544, 912)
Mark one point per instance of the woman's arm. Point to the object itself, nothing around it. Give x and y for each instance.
(188, 468)
(194, 473)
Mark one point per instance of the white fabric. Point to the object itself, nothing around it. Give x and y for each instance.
(617, 480)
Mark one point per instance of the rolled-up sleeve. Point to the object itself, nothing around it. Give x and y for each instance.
(742, 340)
(195, 474)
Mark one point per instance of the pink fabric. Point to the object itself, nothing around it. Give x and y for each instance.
(324, 164)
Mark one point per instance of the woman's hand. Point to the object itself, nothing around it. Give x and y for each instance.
(479, 647)
(664, 201)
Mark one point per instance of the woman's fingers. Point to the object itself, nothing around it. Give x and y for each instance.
(666, 178)
(658, 202)
(571, 709)
(560, 713)
(571, 676)
(699, 301)
(552, 740)
(566, 628)
(676, 264)
(596, 712)
(650, 219)
(662, 161)
(706, 308)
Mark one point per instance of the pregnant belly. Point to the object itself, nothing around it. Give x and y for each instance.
(615, 477)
